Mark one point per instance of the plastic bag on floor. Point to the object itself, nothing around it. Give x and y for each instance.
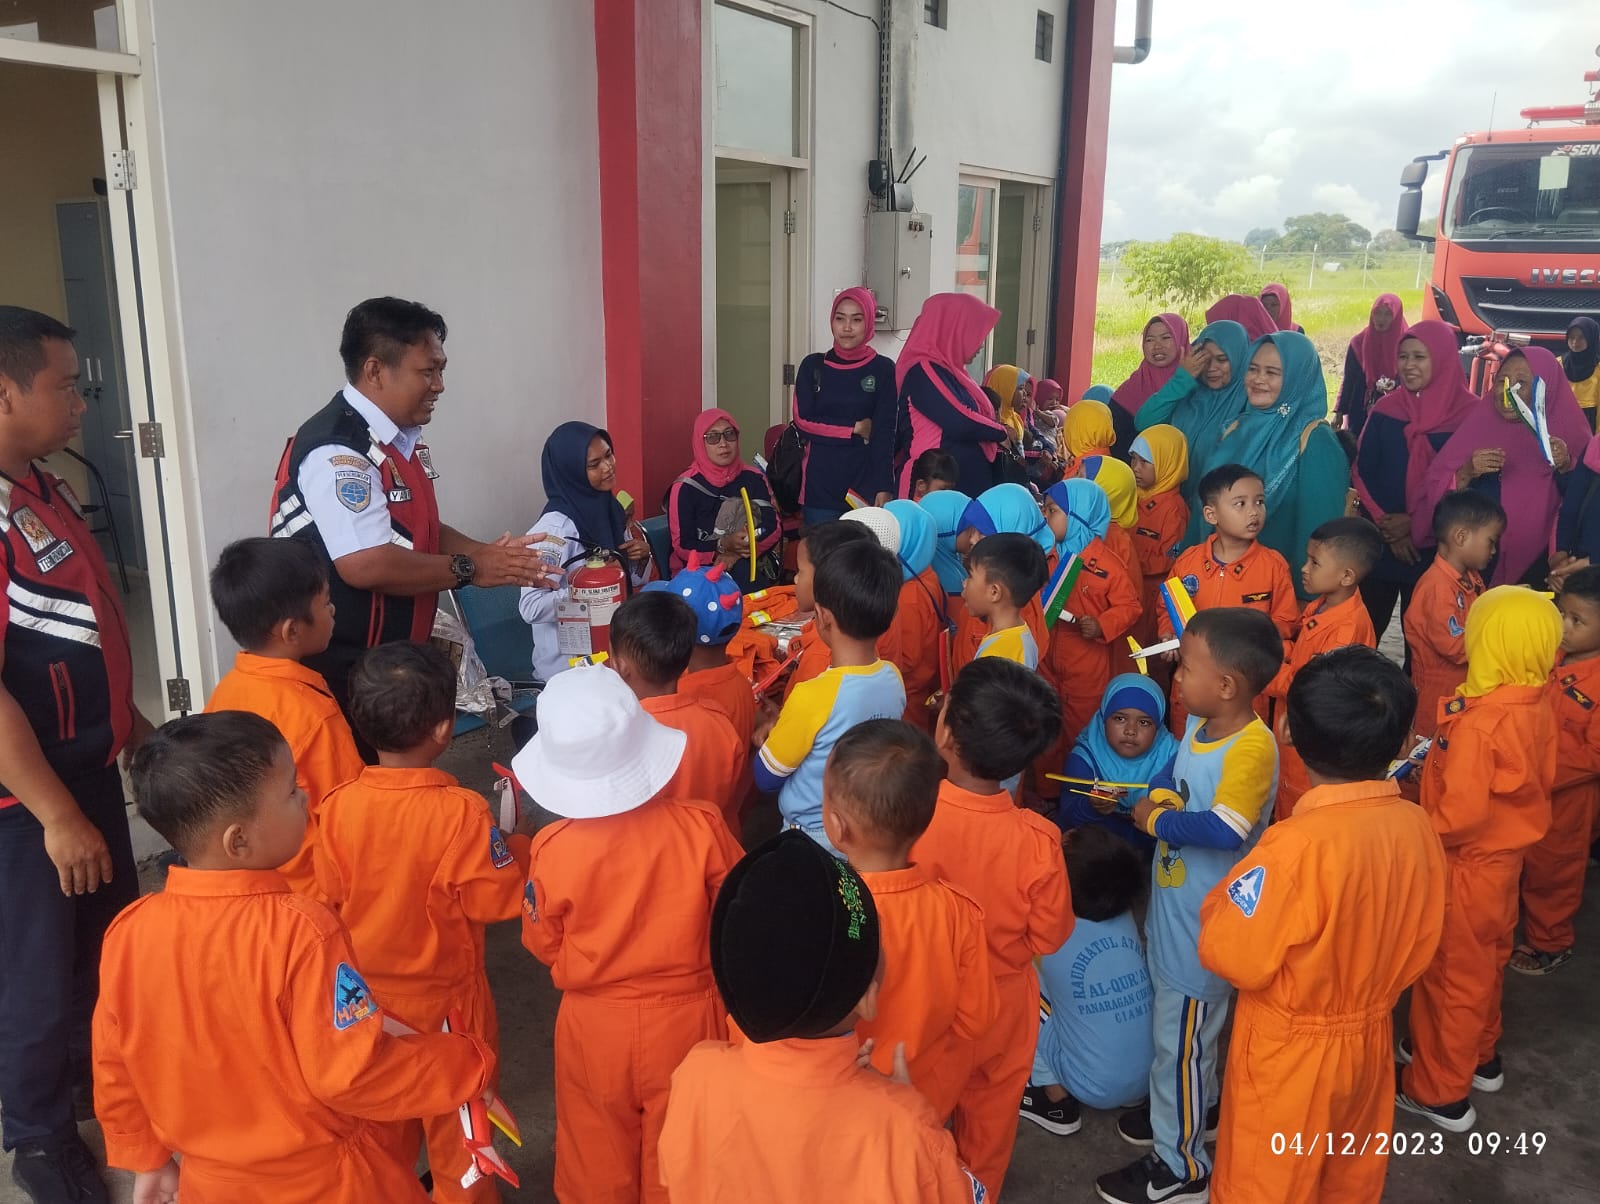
(477, 691)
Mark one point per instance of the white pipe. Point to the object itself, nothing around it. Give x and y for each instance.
(1140, 50)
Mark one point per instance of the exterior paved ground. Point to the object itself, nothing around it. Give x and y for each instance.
(1551, 1054)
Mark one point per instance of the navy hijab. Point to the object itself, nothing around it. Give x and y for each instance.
(598, 516)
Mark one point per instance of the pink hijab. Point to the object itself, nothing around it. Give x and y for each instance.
(1285, 306)
(1528, 491)
(869, 309)
(949, 328)
(1375, 350)
(1442, 406)
(717, 478)
(1147, 380)
(1247, 311)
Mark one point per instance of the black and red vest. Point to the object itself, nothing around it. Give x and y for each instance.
(66, 642)
(362, 619)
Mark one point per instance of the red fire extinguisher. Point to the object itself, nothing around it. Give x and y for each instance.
(599, 586)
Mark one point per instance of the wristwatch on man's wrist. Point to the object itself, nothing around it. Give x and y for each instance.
(464, 570)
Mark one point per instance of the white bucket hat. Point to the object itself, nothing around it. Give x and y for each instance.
(596, 752)
(881, 523)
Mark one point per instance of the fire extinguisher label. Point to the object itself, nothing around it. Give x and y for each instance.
(572, 628)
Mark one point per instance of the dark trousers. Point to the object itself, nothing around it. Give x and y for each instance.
(50, 963)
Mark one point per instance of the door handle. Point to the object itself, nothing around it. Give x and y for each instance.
(122, 434)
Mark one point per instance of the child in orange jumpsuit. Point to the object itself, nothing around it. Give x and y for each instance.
(1339, 554)
(996, 721)
(1334, 914)
(1005, 509)
(790, 1114)
(713, 674)
(416, 867)
(938, 995)
(1553, 869)
(1468, 526)
(1231, 568)
(1103, 605)
(1205, 812)
(234, 1028)
(652, 635)
(272, 596)
(1486, 787)
(816, 543)
(1005, 573)
(628, 947)
(923, 622)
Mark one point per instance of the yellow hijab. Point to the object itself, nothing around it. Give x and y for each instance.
(1004, 379)
(1512, 637)
(1116, 481)
(1087, 429)
(1166, 448)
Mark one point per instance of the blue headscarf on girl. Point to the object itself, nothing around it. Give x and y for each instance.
(1009, 508)
(1093, 752)
(945, 507)
(1088, 515)
(918, 537)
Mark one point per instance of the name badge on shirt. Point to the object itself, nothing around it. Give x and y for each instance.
(40, 538)
(1263, 596)
(426, 457)
(397, 496)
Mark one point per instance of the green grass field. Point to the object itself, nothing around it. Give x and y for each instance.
(1332, 309)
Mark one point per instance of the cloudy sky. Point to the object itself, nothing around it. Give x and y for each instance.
(1247, 112)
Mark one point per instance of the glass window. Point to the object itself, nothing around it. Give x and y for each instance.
(933, 12)
(1527, 191)
(757, 77)
(1044, 37)
(88, 24)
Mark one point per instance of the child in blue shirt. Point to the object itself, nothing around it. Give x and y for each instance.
(1095, 1046)
(856, 588)
(1126, 741)
(1205, 814)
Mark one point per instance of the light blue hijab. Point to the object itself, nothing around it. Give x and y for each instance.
(945, 507)
(1130, 691)
(918, 537)
(1100, 393)
(1208, 411)
(1088, 515)
(1268, 441)
(1009, 508)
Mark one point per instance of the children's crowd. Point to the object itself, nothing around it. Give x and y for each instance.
(1059, 790)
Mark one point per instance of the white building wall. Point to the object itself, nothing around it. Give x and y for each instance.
(317, 154)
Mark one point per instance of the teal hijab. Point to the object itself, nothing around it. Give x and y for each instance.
(1203, 417)
(918, 537)
(1010, 508)
(1088, 515)
(945, 507)
(1268, 441)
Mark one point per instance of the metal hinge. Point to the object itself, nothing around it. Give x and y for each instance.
(178, 696)
(1032, 334)
(790, 221)
(1038, 221)
(152, 443)
(124, 176)
(788, 375)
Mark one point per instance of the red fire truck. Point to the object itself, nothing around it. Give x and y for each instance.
(1517, 249)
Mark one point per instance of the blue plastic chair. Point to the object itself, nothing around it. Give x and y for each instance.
(504, 643)
(658, 533)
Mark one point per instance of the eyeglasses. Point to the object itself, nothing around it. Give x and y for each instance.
(726, 435)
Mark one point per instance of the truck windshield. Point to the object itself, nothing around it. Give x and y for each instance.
(1537, 191)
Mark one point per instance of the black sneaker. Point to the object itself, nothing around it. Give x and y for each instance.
(66, 1175)
(1134, 1126)
(1148, 1181)
(1453, 1118)
(1489, 1077)
(1063, 1117)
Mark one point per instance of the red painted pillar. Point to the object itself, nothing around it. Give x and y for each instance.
(648, 55)
(1086, 117)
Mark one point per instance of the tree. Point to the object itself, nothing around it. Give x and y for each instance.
(1260, 237)
(1329, 233)
(1390, 240)
(1188, 270)
(1110, 252)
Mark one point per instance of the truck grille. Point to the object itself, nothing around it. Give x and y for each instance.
(1503, 304)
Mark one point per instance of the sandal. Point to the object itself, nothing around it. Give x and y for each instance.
(1528, 960)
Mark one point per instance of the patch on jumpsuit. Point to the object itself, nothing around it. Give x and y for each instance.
(352, 1001)
(980, 1193)
(499, 854)
(1245, 890)
(1454, 628)
(530, 906)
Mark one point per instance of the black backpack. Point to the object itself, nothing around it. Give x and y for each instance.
(786, 469)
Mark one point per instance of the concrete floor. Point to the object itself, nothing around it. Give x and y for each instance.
(1551, 1053)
